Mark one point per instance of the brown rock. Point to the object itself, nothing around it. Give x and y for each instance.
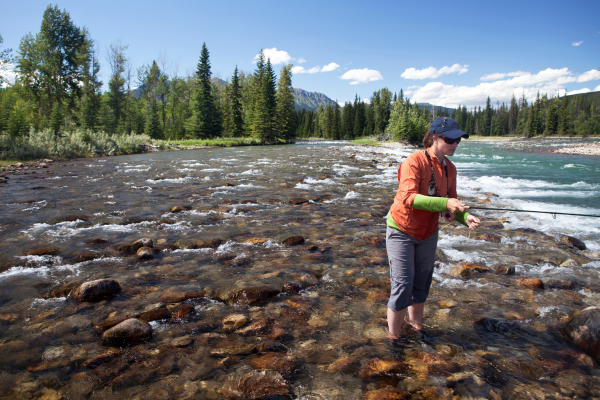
(257, 327)
(43, 251)
(530, 283)
(293, 241)
(176, 295)
(583, 329)
(101, 358)
(297, 201)
(109, 323)
(378, 368)
(251, 296)
(504, 269)
(182, 311)
(234, 321)
(425, 363)
(145, 253)
(256, 385)
(348, 365)
(177, 209)
(156, 315)
(96, 290)
(374, 241)
(277, 362)
(183, 341)
(129, 330)
(255, 240)
(378, 296)
(488, 237)
(437, 393)
(572, 241)
(389, 393)
(449, 303)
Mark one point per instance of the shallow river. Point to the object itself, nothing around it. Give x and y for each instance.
(310, 310)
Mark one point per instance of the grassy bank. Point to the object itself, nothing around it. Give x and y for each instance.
(369, 142)
(77, 144)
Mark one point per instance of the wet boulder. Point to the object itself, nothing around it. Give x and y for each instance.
(145, 253)
(583, 329)
(182, 311)
(130, 330)
(249, 296)
(177, 294)
(530, 283)
(293, 241)
(297, 201)
(156, 314)
(43, 251)
(234, 321)
(256, 385)
(177, 209)
(571, 241)
(504, 269)
(277, 362)
(96, 290)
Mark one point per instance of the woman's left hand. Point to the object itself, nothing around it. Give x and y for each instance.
(473, 222)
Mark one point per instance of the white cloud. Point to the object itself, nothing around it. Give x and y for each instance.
(7, 72)
(362, 76)
(327, 68)
(497, 75)
(300, 70)
(591, 75)
(579, 91)
(330, 67)
(549, 81)
(576, 43)
(597, 88)
(301, 60)
(408, 92)
(276, 56)
(432, 72)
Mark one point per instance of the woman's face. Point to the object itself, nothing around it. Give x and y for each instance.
(443, 147)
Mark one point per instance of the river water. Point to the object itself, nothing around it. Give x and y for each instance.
(319, 306)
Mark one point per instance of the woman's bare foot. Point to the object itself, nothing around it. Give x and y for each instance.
(416, 326)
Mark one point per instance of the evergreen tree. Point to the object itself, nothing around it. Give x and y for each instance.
(237, 121)
(153, 128)
(286, 116)
(203, 124)
(116, 85)
(91, 88)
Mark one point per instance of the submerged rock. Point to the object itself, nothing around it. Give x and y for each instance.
(249, 296)
(378, 368)
(96, 290)
(572, 241)
(389, 393)
(234, 321)
(530, 283)
(145, 253)
(293, 241)
(129, 330)
(583, 329)
(156, 314)
(277, 362)
(297, 201)
(256, 385)
(43, 251)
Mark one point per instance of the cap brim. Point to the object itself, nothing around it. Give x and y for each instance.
(455, 134)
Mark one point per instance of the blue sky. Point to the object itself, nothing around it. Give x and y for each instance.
(446, 53)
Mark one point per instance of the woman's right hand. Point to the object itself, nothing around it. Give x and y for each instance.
(455, 205)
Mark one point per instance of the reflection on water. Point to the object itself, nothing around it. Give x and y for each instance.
(313, 309)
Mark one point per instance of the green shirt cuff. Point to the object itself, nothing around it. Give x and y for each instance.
(461, 217)
(391, 223)
(428, 203)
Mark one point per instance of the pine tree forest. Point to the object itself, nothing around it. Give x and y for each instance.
(58, 93)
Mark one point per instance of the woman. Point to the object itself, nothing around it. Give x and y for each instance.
(427, 187)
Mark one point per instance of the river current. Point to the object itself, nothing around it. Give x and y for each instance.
(311, 309)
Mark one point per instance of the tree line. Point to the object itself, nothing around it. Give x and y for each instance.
(58, 87)
(389, 113)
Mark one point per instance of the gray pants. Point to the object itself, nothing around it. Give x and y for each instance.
(411, 267)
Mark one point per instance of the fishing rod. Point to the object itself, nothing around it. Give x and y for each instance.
(553, 213)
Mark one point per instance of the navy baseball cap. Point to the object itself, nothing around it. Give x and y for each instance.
(447, 127)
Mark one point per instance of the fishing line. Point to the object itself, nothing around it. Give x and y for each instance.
(553, 213)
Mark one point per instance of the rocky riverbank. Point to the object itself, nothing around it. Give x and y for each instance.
(269, 279)
(591, 149)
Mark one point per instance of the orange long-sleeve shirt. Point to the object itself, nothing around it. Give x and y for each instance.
(414, 175)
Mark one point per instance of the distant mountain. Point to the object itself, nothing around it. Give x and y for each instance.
(430, 107)
(310, 100)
